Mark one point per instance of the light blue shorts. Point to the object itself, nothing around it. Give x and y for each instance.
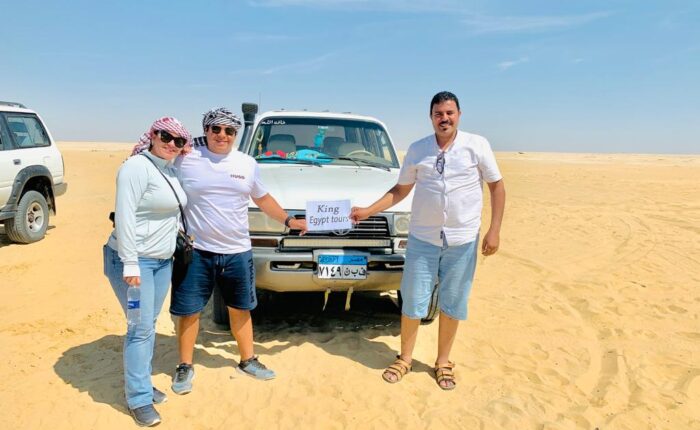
(451, 267)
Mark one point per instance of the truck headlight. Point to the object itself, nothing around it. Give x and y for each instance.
(258, 222)
(401, 222)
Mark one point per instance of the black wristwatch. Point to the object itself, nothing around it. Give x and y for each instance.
(288, 220)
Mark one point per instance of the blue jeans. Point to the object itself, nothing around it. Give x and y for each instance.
(140, 338)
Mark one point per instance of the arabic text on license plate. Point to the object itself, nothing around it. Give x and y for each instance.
(342, 266)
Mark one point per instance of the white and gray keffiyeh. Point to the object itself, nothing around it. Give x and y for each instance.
(199, 141)
(221, 116)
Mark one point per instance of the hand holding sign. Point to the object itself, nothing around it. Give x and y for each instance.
(298, 224)
(358, 214)
(328, 215)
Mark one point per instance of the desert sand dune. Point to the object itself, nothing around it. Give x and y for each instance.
(588, 317)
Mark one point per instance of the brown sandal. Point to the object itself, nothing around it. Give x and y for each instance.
(397, 369)
(443, 372)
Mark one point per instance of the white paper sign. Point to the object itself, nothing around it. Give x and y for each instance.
(328, 215)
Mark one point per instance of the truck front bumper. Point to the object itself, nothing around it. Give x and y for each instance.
(298, 271)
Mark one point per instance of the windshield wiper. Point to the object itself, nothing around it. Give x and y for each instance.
(366, 162)
(293, 160)
(330, 157)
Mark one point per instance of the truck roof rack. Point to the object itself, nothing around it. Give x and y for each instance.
(13, 104)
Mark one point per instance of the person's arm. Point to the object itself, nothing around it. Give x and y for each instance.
(132, 181)
(397, 193)
(269, 205)
(492, 239)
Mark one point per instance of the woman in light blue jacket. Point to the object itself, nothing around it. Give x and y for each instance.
(140, 249)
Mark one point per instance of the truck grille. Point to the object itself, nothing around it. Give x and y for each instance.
(332, 242)
(371, 228)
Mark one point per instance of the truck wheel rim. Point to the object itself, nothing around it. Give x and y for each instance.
(35, 217)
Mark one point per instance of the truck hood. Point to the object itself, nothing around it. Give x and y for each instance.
(293, 185)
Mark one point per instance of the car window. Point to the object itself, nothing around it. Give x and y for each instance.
(4, 137)
(27, 131)
(325, 140)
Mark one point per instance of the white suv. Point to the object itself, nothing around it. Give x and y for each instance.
(31, 173)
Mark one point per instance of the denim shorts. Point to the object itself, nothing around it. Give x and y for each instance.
(233, 273)
(451, 267)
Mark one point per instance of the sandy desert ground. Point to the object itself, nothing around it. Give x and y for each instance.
(587, 318)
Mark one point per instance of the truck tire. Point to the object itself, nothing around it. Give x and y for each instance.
(31, 220)
(220, 311)
(433, 306)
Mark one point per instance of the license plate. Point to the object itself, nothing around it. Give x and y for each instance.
(342, 266)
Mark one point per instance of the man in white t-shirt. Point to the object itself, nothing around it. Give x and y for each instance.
(447, 170)
(219, 181)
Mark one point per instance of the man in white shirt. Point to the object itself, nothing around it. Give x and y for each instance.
(219, 181)
(447, 170)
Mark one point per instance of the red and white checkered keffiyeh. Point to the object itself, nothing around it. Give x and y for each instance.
(169, 124)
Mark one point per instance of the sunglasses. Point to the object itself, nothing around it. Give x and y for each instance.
(440, 162)
(216, 129)
(167, 138)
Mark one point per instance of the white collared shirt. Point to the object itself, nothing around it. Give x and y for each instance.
(449, 203)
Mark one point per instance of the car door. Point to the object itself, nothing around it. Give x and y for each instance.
(10, 165)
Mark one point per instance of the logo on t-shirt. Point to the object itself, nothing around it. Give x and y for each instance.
(235, 176)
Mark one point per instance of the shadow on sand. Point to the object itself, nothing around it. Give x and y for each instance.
(290, 319)
(293, 319)
(5, 240)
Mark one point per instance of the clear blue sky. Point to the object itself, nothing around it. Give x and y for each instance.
(584, 76)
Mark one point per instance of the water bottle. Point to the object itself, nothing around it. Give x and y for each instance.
(133, 305)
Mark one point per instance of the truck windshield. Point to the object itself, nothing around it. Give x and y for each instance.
(324, 140)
